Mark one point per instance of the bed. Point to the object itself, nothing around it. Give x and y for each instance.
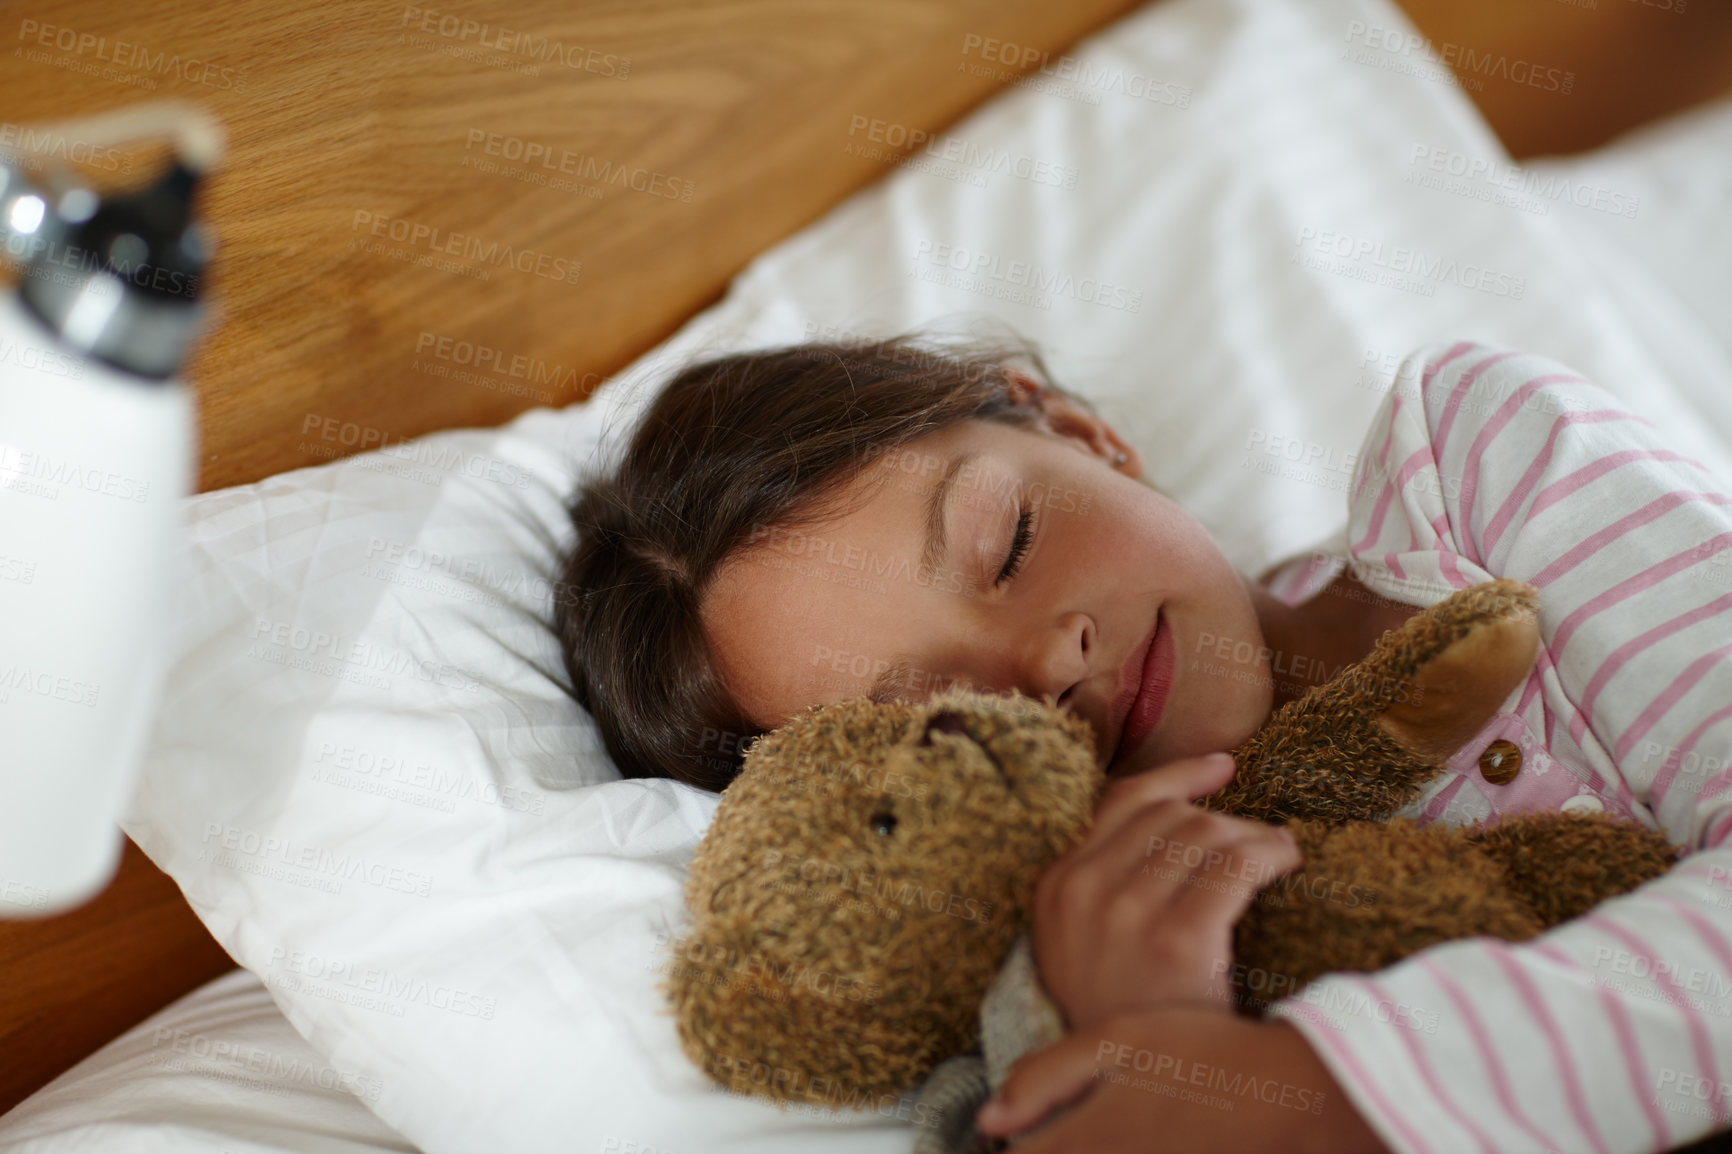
(441, 784)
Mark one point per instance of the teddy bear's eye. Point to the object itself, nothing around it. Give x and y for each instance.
(884, 823)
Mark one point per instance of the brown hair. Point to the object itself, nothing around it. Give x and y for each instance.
(730, 447)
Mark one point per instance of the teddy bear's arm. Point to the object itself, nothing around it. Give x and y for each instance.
(1365, 745)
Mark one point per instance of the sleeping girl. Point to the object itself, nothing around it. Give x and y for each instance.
(805, 525)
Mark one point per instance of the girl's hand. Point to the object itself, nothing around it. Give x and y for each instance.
(1184, 1079)
(1141, 912)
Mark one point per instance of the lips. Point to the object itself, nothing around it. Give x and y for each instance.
(1153, 682)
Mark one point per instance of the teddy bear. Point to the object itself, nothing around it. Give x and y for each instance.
(860, 902)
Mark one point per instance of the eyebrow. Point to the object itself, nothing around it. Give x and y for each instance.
(931, 558)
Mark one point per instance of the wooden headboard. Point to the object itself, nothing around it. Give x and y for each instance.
(439, 216)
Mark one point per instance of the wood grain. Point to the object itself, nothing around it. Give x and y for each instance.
(73, 982)
(1628, 62)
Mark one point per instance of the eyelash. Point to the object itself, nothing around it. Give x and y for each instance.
(1018, 546)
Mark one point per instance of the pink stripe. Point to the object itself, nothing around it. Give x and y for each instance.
(1458, 394)
(1529, 478)
(1629, 587)
(1471, 463)
(1688, 745)
(1717, 832)
(1488, 1058)
(1446, 562)
(1628, 1046)
(1564, 486)
(1699, 1041)
(1535, 684)
(1618, 528)
(1555, 1038)
(1416, 461)
(1362, 1081)
(1417, 1054)
(1455, 351)
(1544, 664)
(1376, 522)
(1680, 685)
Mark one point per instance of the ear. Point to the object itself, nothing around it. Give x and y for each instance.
(1069, 419)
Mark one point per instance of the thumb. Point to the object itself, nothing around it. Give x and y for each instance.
(1042, 1082)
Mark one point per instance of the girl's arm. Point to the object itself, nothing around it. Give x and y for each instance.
(1613, 1032)
(1190, 1080)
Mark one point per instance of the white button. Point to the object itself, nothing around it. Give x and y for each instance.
(1583, 803)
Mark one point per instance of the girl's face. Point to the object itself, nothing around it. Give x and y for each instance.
(1003, 558)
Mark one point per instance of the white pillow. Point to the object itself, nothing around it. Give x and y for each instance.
(218, 1072)
(366, 776)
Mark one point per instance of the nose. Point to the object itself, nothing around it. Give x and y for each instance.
(1059, 655)
(1047, 659)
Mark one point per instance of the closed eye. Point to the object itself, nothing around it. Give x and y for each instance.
(1019, 544)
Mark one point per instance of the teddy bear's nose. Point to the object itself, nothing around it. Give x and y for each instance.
(944, 721)
(949, 721)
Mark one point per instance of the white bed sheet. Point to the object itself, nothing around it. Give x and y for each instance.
(220, 1071)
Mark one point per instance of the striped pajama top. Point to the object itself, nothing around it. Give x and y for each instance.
(1612, 1033)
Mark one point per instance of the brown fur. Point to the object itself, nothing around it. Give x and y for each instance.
(829, 962)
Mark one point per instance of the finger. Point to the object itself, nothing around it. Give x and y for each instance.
(1182, 780)
(1156, 851)
(1238, 866)
(1218, 892)
(1042, 1082)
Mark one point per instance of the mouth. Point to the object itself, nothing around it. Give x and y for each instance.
(1148, 683)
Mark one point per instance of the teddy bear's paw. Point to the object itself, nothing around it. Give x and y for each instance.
(1443, 674)
(949, 1099)
(1565, 864)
